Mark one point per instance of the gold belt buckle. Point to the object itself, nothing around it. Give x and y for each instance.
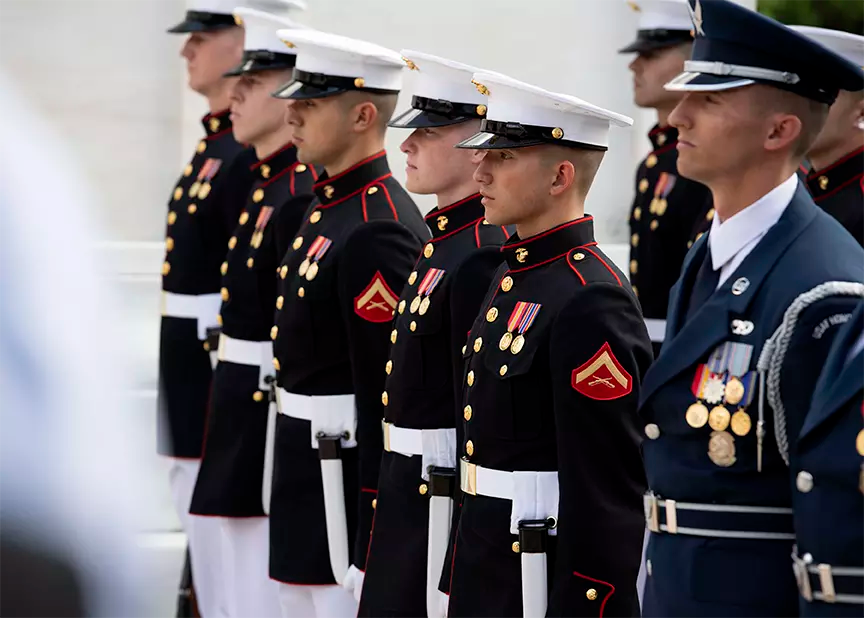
(468, 480)
(386, 428)
(651, 512)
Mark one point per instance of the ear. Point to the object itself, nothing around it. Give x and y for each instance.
(783, 131)
(565, 174)
(365, 115)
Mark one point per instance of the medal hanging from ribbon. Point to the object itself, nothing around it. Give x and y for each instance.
(309, 266)
(521, 319)
(697, 413)
(260, 224)
(664, 187)
(740, 391)
(201, 187)
(430, 281)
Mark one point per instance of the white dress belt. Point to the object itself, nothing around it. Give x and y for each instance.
(329, 415)
(243, 352)
(656, 329)
(409, 441)
(201, 307)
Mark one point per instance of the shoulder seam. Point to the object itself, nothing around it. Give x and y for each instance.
(365, 193)
(602, 261)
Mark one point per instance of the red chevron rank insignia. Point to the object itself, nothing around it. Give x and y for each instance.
(377, 302)
(602, 377)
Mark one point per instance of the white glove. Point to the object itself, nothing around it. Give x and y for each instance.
(443, 604)
(353, 581)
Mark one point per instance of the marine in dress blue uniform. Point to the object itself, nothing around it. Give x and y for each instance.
(550, 467)
(719, 506)
(415, 486)
(828, 494)
(332, 329)
(666, 206)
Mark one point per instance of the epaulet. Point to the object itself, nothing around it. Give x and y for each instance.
(590, 265)
(486, 234)
(303, 178)
(377, 202)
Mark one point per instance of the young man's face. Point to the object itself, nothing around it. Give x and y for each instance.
(322, 129)
(209, 55)
(651, 70)
(433, 165)
(514, 183)
(255, 114)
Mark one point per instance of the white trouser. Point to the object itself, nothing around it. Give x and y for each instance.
(248, 590)
(204, 539)
(316, 602)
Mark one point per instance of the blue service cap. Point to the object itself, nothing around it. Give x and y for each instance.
(736, 47)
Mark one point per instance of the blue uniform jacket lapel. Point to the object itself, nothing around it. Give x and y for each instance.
(711, 324)
(839, 381)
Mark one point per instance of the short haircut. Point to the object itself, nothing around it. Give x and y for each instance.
(585, 161)
(812, 114)
(384, 103)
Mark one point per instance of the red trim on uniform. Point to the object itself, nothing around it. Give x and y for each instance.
(477, 233)
(578, 274)
(387, 195)
(434, 213)
(453, 559)
(505, 232)
(616, 383)
(665, 148)
(277, 176)
(350, 195)
(859, 177)
(598, 581)
(602, 261)
(210, 115)
(354, 167)
(292, 180)
(371, 532)
(457, 230)
(803, 169)
(215, 135)
(549, 231)
(543, 263)
(258, 164)
(366, 490)
(662, 129)
(842, 159)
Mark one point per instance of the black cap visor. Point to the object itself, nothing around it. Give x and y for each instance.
(201, 21)
(307, 85)
(496, 135)
(427, 112)
(652, 40)
(261, 60)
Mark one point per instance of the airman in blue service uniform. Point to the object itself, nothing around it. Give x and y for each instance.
(836, 181)
(332, 327)
(666, 206)
(415, 487)
(719, 505)
(550, 468)
(202, 212)
(828, 471)
(229, 486)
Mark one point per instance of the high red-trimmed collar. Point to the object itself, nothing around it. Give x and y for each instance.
(842, 172)
(662, 136)
(268, 167)
(353, 179)
(446, 220)
(548, 245)
(217, 122)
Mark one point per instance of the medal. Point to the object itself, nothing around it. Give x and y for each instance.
(312, 272)
(506, 339)
(741, 423)
(309, 267)
(304, 266)
(734, 391)
(430, 281)
(859, 443)
(193, 190)
(517, 345)
(415, 304)
(201, 187)
(521, 319)
(424, 306)
(697, 415)
(718, 419)
(721, 449)
(652, 208)
(662, 204)
(714, 389)
(664, 186)
(204, 191)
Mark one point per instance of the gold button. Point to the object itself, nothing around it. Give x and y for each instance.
(557, 133)
(469, 448)
(413, 326)
(503, 371)
(301, 292)
(591, 594)
(374, 503)
(250, 263)
(478, 344)
(178, 193)
(689, 243)
(219, 319)
(329, 191)
(643, 185)
(187, 171)
(265, 171)
(467, 413)
(274, 332)
(464, 349)
(428, 250)
(654, 225)
(492, 314)
(637, 213)
(481, 110)
(412, 278)
(385, 398)
(709, 216)
(258, 396)
(578, 257)
(388, 367)
(172, 217)
(634, 266)
(423, 489)
(298, 242)
(276, 364)
(515, 547)
(280, 300)
(652, 430)
(507, 283)
(393, 335)
(315, 217)
(634, 240)
(232, 242)
(224, 268)
(206, 346)
(470, 379)
(300, 168)
(823, 182)
(283, 272)
(192, 209)
(661, 139)
(202, 146)
(359, 82)
(651, 161)
(402, 304)
(258, 195)
(224, 293)
(166, 268)
(372, 191)
(169, 244)
(244, 217)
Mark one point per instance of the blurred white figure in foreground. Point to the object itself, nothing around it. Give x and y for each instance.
(71, 480)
